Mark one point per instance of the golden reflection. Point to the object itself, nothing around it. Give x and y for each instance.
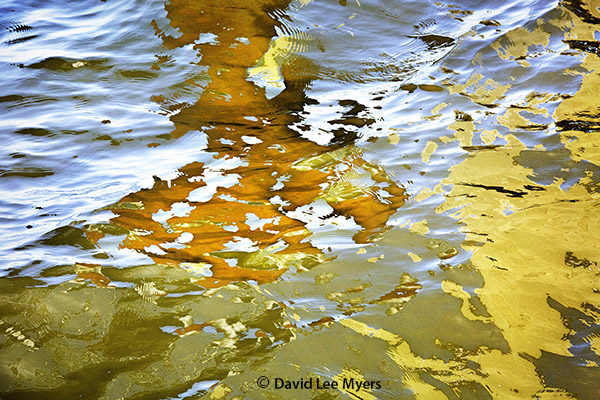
(92, 273)
(578, 116)
(247, 227)
(486, 93)
(534, 245)
(516, 44)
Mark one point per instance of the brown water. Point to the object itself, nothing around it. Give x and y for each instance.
(197, 196)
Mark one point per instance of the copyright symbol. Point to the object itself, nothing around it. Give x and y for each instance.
(262, 382)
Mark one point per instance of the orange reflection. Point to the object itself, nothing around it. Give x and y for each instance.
(92, 273)
(274, 163)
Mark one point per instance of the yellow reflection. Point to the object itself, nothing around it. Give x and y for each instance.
(516, 43)
(534, 245)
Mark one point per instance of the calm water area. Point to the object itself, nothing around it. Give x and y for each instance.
(246, 199)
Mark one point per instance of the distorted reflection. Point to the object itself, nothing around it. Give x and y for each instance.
(530, 240)
(399, 193)
(245, 220)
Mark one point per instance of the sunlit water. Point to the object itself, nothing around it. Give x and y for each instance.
(199, 194)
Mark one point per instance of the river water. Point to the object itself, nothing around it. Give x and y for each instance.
(196, 196)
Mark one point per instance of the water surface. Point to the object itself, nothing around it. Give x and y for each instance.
(198, 194)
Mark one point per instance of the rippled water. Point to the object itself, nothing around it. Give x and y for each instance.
(199, 194)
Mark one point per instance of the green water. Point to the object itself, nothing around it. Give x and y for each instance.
(288, 200)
